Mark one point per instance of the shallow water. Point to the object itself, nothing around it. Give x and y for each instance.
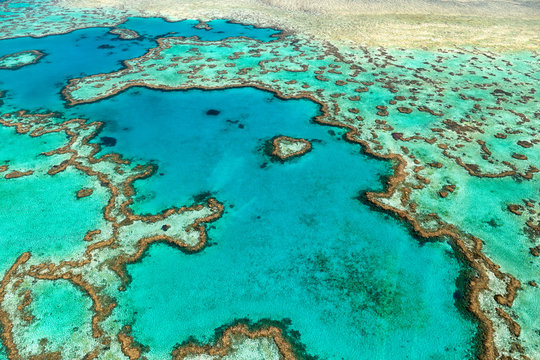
(69, 330)
(34, 212)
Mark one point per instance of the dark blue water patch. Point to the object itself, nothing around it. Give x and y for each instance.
(213, 112)
(107, 141)
(294, 242)
(219, 29)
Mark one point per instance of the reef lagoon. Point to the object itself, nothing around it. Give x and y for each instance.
(217, 190)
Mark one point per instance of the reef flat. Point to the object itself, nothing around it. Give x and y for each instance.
(254, 259)
(284, 147)
(39, 18)
(20, 59)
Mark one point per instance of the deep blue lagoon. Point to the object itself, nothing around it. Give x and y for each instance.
(294, 245)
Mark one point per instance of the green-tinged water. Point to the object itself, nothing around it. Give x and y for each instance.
(60, 318)
(42, 215)
(36, 207)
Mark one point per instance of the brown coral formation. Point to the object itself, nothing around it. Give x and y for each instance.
(285, 147)
(84, 193)
(17, 174)
(225, 342)
(125, 34)
(127, 344)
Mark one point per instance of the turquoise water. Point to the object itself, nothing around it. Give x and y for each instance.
(294, 242)
(295, 245)
(33, 208)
